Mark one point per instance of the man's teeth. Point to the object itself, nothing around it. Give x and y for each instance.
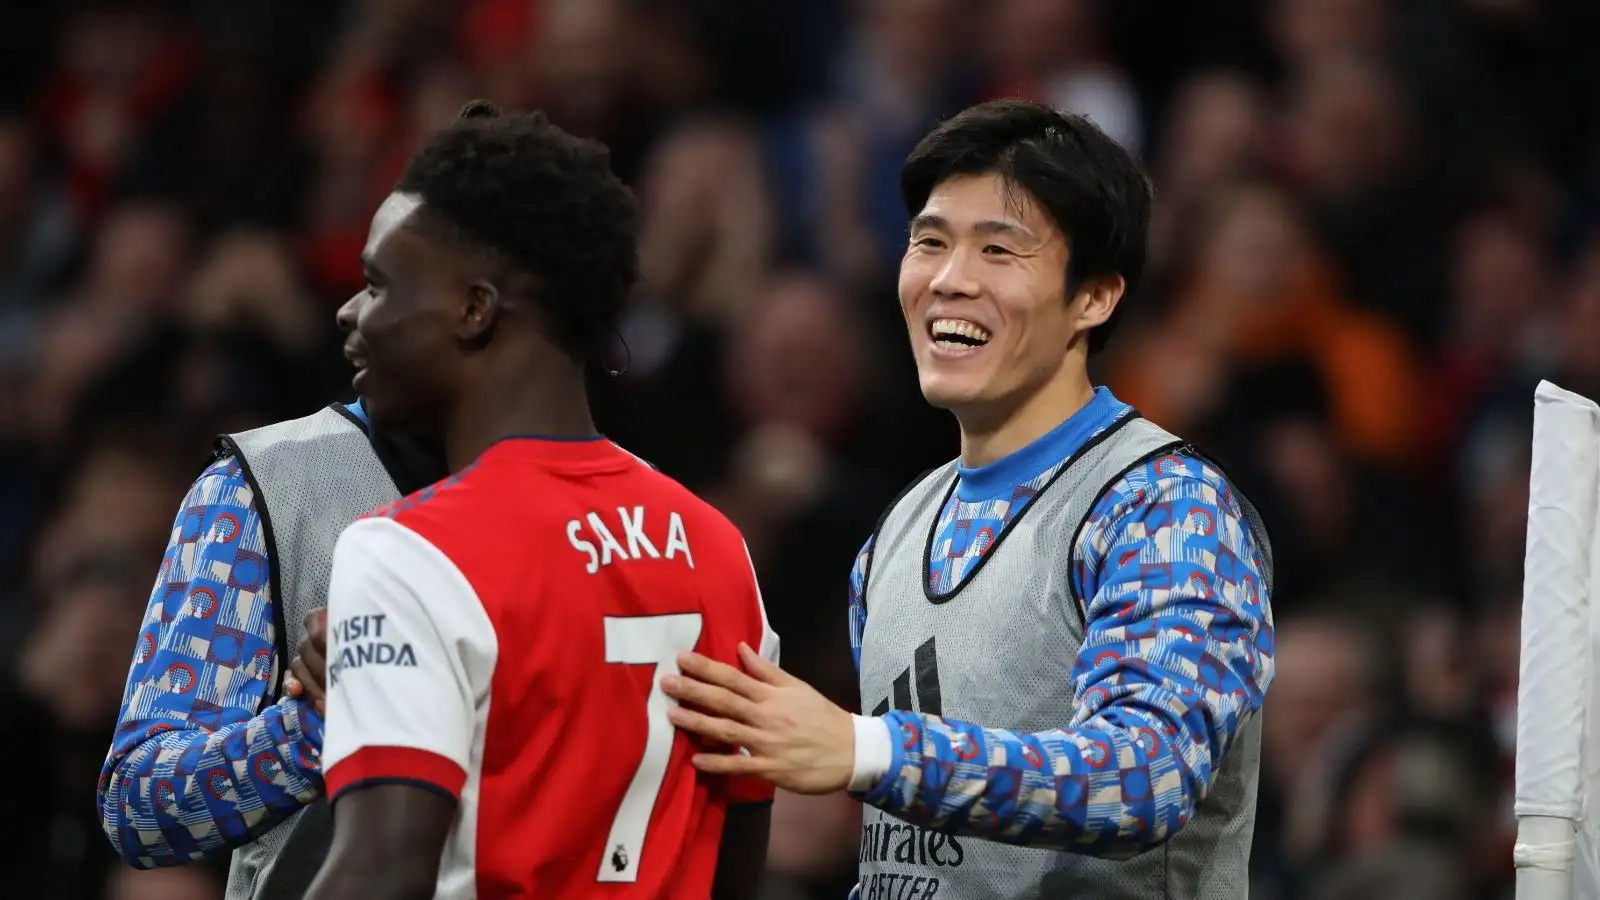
(960, 331)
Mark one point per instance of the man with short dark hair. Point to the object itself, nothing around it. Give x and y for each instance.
(1063, 636)
(495, 722)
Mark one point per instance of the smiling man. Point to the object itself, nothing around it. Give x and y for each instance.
(1063, 637)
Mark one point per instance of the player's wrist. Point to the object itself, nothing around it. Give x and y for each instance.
(874, 751)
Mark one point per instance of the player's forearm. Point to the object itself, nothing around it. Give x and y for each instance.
(184, 795)
(1100, 789)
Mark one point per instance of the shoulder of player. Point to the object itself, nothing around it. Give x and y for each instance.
(383, 566)
(662, 488)
(220, 497)
(698, 514)
(866, 548)
(374, 535)
(446, 497)
(221, 482)
(1181, 476)
(395, 545)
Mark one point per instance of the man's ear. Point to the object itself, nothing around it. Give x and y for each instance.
(479, 313)
(1096, 300)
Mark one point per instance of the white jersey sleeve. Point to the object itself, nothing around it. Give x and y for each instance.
(407, 637)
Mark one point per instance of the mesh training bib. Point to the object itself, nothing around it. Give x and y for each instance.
(999, 652)
(311, 477)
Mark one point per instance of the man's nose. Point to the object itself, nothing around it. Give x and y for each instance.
(955, 278)
(349, 312)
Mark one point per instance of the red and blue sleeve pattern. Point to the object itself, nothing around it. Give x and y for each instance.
(196, 766)
(1178, 655)
(858, 601)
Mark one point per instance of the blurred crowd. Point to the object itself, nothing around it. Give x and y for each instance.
(1377, 228)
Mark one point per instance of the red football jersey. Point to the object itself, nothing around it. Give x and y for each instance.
(502, 637)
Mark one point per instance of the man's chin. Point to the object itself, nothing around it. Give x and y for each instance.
(948, 394)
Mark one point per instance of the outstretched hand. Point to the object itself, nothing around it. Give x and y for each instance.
(309, 671)
(791, 735)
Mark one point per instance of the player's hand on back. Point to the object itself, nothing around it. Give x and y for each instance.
(309, 671)
(792, 735)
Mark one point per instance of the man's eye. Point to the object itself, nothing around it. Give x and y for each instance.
(929, 242)
(996, 250)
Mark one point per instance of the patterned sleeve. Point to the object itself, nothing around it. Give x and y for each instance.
(858, 601)
(194, 768)
(1178, 655)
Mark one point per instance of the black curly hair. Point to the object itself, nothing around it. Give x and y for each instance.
(543, 200)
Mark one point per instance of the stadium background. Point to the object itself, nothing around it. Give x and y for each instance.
(1377, 227)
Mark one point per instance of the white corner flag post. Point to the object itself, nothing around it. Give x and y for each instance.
(1557, 769)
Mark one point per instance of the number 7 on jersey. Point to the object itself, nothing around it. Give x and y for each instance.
(639, 641)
